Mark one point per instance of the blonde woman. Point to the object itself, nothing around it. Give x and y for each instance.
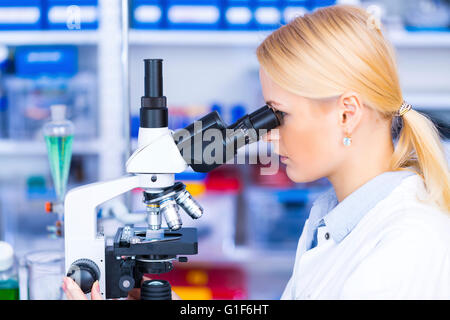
(383, 230)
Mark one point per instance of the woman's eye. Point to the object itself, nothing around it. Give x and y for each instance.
(281, 115)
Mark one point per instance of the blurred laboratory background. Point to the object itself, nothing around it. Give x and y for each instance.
(82, 60)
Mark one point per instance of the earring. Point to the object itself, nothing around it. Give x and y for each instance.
(347, 141)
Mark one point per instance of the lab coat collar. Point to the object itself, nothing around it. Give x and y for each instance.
(341, 218)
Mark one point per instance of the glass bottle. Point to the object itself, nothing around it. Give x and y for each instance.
(9, 281)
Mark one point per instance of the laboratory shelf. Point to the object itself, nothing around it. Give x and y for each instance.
(26, 148)
(420, 39)
(439, 101)
(197, 38)
(400, 39)
(40, 37)
(267, 271)
(251, 258)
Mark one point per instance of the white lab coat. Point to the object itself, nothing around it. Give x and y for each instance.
(399, 250)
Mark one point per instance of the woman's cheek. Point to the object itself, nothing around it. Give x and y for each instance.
(306, 155)
(293, 140)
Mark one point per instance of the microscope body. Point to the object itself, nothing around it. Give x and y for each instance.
(152, 167)
(84, 246)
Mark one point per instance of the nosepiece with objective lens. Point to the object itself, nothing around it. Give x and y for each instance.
(167, 204)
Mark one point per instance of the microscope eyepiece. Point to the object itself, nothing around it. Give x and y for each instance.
(248, 129)
(265, 119)
(154, 112)
(153, 78)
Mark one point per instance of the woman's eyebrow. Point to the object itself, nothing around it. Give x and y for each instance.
(272, 103)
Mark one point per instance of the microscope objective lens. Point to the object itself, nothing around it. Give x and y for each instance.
(153, 216)
(188, 203)
(169, 209)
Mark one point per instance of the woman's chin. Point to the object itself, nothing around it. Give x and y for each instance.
(298, 176)
(292, 173)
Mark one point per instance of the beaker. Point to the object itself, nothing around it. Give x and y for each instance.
(45, 270)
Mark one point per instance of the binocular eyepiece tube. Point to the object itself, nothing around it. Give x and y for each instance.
(248, 129)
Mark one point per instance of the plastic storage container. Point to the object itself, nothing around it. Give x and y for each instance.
(9, 281)
(429, 15)
(321, 3)
(45, 270)
(147, 14)
(3, 114)
(267, 14)
(35, 61)
(295, 8)
(276, 217)
(29, 101)
(20, 15)
(4, 59)
(194, 14)
(238, 14)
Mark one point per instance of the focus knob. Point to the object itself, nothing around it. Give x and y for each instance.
(84, 272)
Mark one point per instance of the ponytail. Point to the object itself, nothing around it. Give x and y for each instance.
(419, 148)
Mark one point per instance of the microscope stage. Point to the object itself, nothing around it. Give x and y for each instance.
(131, 241)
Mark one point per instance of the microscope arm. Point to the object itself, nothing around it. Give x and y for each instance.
(80, 225)
(81, 203)
(116, 208)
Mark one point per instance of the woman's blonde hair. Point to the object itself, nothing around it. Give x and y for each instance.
(339, 48)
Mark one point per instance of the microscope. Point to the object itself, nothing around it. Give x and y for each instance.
(160, 154)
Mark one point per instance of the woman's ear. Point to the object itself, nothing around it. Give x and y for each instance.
(350, 108)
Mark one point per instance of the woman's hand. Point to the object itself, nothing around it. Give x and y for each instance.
(74, 292)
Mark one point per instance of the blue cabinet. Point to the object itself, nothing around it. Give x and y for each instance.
(32, 61)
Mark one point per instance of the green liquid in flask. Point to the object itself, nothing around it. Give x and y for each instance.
(59, 154)
(9, 290)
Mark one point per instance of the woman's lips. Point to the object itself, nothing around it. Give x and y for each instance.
(283, 159)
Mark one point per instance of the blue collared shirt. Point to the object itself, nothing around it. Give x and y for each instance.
(341, 218)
